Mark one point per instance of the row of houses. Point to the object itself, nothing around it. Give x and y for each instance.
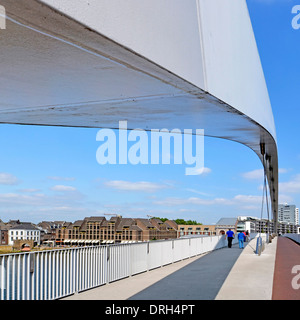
(115, 230)
(99, 230)
(96, 230)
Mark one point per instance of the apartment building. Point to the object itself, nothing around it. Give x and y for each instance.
(48, 230)
(264, 225)
(24, 231)
(99, 230)
(288, 213)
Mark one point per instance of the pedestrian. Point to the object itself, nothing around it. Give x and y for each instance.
(247, 236)
(241, 238)
(230, 237)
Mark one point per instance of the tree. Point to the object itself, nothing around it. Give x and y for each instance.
(188, 222)
(180, 221)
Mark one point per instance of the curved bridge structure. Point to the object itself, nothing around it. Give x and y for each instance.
(155, 63)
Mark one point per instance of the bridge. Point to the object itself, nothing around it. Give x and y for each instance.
(169, 65)
(200, 268)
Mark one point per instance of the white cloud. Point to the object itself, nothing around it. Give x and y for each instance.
(258, 174)
(201, 171)
(142, 186)
(248, 199)
(239, 200)
(284, 198)
(254, 174)
(198, 192)
(30, 190)
(192, 201)
(8, 179)
(292, 186)
(62, 178)
(63, 188)
(17, 199)
(282, 170)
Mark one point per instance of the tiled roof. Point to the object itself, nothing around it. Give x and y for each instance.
(24, 226)
(125, 222)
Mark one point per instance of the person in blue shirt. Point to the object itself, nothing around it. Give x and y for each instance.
(230, 237)
(241, 238)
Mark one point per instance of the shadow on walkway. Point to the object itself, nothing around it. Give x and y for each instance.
(200, 280)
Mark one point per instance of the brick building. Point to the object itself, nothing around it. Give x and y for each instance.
(96, 230)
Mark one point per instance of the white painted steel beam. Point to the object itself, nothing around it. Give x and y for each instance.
(187, 64)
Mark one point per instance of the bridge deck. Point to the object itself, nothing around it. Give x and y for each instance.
(223, 274)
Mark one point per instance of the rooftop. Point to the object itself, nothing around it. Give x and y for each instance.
(24, 226)
(226, 222)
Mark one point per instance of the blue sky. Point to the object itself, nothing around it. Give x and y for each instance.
(51, 173)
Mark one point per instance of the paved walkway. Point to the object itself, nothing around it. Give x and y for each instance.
(200, 280)
(251, 278)
(222, 274)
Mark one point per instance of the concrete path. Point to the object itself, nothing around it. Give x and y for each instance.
(200, 280)
(251, 278)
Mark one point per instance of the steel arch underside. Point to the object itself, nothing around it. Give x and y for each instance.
(58, 72)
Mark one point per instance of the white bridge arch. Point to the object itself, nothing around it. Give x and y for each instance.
(155, 63)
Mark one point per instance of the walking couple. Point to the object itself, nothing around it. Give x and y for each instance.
(230, 236)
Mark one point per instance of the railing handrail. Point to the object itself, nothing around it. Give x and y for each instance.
(52, 274)
(106, 245)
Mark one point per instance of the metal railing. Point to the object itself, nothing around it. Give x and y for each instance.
(53, 274)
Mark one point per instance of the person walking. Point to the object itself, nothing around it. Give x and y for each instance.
(241, 238)
(230, 237)
(247, 236)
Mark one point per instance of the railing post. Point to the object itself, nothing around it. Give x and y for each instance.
(107, 264)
